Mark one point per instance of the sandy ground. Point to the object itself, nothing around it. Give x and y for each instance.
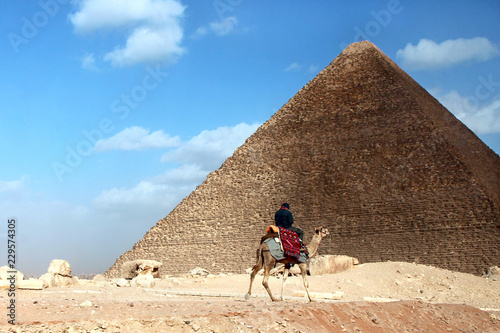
(379, 297)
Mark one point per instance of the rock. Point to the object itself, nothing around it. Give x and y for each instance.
(58, 275)
(121, 282)
(99, 278)
(143, 281)
(48, 279)
(130, 269)
(86, 304)
(4, 275)
(44, 282)
(493, 270)
(198, 272)
(331, 264)
(322, 264)
(55, 280)
(60, 267)
(31, 284)
(64, 281)
(23, 284)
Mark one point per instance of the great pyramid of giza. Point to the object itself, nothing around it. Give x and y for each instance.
(363, 150)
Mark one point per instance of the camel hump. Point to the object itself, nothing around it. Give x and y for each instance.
(272, 229)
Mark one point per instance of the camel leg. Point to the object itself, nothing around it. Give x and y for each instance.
(255, 270)
(267, 270)
(285, 276)
(303, 272)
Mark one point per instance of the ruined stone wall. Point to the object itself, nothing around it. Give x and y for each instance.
(362, 150)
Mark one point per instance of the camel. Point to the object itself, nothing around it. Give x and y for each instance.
(264, 259)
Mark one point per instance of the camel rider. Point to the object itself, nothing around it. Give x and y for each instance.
(284, 218)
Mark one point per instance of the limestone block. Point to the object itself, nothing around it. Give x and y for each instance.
(23, 284)
(143, 281)
(331, 264)
(48, 279)
(64, 281)
(493, 270)
(59, 266)
(198, 271)
(99, 278)
(121, 282)
(4, 275)
(5, 284)
(130, 269)
(56, 280)
(31, 284)
(86, 304)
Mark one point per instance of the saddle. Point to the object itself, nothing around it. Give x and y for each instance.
(289, 241)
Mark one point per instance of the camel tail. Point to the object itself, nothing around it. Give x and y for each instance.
(258, 265)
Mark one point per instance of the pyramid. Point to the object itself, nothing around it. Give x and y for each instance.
(363, 150)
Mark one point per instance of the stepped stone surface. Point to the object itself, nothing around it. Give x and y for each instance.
(363, 150)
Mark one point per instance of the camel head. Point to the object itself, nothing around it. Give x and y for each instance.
(321, 232)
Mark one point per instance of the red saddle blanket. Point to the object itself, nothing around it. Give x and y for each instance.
(290, 242)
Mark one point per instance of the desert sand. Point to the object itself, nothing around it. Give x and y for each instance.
(374, 297)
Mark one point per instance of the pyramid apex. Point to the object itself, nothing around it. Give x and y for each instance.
(360, 47)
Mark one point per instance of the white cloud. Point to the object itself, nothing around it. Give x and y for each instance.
(293, 67)
(296, 67)
(220, 28)
(427, 54)
(148, 45)
(210, 148)
(151, 197)
(12, 185)
(136, 138)
(155, 25)
(481, 119)
(158, 195)
(99, 14)
(187, 175)
(88, 63)
(65, 230)
(313, 69)
(224, 26)
(201, 31)
(144, 193)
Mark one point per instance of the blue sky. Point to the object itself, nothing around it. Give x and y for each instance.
(115, 110)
